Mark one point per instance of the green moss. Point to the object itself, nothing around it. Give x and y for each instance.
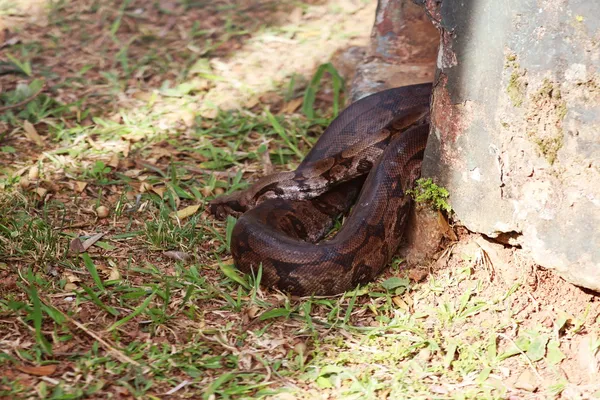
(549, 99)
(549, 146)
(426, 191)
(511, 61)
(516, 88)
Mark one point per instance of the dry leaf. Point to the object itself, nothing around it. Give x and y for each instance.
(159, 152)
(175, 197)
(114, 274)
(104, 270)
(253, 101)
(91, 240)
(206, 191)
(32, 133)
(72, 278)
(34, 173)
(70, 287)
(93, 144)
(291, 106)
(134, 136)
(446, 228)
(265, 158)
(114, 161)
(80, 186)
(160, 191)
(132, 173)
(126, 148)
(188, 211)
(41, 192)
(144, 96)
(188, 118)
(51, 186)
(24, 182)
(210, 113)
(42, 370)
(400, 303)
(145, 187)
(76, 246)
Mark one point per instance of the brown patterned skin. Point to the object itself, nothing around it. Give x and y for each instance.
(284, 216)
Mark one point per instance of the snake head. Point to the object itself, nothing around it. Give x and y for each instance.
(223, 206)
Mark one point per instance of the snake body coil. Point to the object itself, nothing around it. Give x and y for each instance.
(285, 216)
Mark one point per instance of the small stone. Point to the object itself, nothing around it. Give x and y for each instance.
(526, 381)
(206, 191)
(102, 212)
(24, 182)
(34, 173)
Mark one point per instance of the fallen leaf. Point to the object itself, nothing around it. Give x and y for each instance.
(41, 192)
(144, 96)
(187, 212)
(145, 187)
(114, 161)
(132, 173)
(80, 186)
(253, 101)
(72, 278)
(291, 106)
(114, 274)
(160, 152)
(34, 173)
(42, 370)
(91, 240)
(76, 246)
(160, 191)
(188, 118)
(32, 133)
(210, 113)
(126, 149)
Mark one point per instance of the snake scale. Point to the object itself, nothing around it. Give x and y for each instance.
(364, 161)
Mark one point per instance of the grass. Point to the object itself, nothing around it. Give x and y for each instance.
(144, 301)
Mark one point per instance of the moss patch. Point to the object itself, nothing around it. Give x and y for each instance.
(517, 84)
(546, 114)
(426, 191)
(549, 147)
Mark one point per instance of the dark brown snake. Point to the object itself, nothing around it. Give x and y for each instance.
(283, 217)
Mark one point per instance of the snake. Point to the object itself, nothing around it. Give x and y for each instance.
(360, 170)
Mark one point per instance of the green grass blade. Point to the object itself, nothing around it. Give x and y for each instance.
(37, 317)
(281, 132)
(96, 300)
(134, 314)
(91, 267)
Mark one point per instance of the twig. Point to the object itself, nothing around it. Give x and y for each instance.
(536, 373)
(118, 354)
(23, 102)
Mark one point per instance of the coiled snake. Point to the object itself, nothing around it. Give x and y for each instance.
(372, 150)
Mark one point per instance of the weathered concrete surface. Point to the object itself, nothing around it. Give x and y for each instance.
(516, 126)
(402, 50)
